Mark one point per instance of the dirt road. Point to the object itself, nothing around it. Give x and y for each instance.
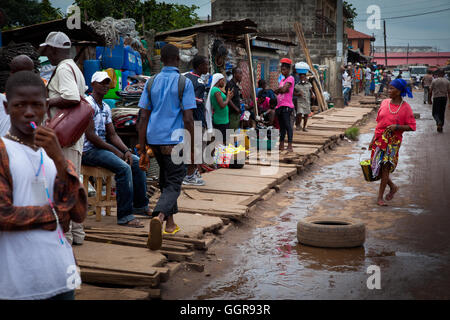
(409, 240)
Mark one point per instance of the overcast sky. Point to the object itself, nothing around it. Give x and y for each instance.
(422, 30)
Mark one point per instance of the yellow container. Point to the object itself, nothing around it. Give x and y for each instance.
(157, 52)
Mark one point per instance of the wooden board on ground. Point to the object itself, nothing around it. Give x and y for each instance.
(307, 139)
(192, 226)
(219, 183)
(328, 126)
(90, 292)
(230, 209)
(323, 133)
(278, 173)
(302, 149)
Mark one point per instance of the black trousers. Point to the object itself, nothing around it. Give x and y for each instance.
(439, 105)
(284, 119)
(171, 176)
(223, 129)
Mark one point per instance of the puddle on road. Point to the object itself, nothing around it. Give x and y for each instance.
(272, 265)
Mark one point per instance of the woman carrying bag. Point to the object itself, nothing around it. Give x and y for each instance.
(394, 117)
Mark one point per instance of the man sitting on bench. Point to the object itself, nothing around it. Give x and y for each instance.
(104, 148)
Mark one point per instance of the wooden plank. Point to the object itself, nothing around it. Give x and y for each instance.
(258, 171)
(117, 278)
(215, 182)
(119, 257)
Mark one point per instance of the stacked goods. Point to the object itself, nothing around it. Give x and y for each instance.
(182, 42)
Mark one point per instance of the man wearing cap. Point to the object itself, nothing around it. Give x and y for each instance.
(104, 148)
(65, 88)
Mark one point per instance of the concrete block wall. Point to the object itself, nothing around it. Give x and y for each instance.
(276, 18)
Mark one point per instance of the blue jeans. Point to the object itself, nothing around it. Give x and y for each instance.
(346, 94)
(367, 88)
(131, 184)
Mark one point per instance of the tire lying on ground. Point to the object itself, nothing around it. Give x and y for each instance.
(331, 232)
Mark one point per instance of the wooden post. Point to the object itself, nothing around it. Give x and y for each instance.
(250, 65)
(319, 91)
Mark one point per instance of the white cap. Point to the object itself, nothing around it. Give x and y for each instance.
(99, 76)
(57, 39)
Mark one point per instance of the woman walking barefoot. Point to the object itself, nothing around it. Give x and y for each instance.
(394, 117)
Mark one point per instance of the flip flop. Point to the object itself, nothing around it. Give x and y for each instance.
(173, 232)
(155, 236)
(135, 224)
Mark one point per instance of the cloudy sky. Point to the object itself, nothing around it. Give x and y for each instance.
(421, 29)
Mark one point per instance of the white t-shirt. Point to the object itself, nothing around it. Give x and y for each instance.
(346, 80)
(4, 118)
(33, 263)
(63, 85)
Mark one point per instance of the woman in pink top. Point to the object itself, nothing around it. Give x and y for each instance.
(285, 105)
(394, 117)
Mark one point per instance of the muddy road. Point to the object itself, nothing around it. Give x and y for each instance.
(409, 240)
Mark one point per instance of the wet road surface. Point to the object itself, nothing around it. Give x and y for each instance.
(409, 240)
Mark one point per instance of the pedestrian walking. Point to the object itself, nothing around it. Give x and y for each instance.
(368, 80)
(39, 194)
(65, 89)
(305, 93)
(346, 86)
(358, 78)
(394, 117)
(440, 91)
(162, 113)
(426, 83)
(285, 106)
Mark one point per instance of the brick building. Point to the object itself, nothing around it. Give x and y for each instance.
(275, 19)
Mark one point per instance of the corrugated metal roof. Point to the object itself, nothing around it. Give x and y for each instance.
(353, 34)
(232, 27)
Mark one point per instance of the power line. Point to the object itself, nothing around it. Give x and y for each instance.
(411, 15)
(409, 6)
(411, 10)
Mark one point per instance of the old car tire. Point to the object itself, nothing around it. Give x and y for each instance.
(331, 232)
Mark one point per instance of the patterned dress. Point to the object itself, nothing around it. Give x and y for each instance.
(387, 143)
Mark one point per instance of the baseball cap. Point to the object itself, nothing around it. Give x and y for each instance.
(99, 76)
(57, 39)
(286, 60)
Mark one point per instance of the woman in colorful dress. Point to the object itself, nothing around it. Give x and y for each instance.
(394, 117)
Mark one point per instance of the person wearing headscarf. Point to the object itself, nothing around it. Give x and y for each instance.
(394, 117)
(285, 106)
(217, 115)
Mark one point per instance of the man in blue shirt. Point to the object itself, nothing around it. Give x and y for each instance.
(160, 117)
(104, 148)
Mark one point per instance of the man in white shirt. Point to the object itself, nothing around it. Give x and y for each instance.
(368, 77)
(346, 86)
(65, 88)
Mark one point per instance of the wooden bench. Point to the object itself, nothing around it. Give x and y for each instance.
(99, 200)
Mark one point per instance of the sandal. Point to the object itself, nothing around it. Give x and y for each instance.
(173, 232)
(135, 223)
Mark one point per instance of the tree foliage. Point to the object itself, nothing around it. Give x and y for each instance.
(159, 16)
(352, 11)
(26, 12)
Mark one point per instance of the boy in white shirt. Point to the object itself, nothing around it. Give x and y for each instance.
(39, 194)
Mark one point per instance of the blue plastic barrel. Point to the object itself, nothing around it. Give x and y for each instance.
(125, 75)
(89, 68)
(160, 44)
(129, 59)
(138, 63)
(111, 57)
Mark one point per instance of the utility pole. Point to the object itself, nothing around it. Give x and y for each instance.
(385, 51)
(407, 54)
(337, 95)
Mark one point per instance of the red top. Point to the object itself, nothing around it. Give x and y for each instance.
(385, 118)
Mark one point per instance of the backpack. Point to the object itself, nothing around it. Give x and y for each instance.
(181, 85)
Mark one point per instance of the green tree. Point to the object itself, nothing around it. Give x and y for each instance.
(159, 16)
(352, 12)
(27, 12)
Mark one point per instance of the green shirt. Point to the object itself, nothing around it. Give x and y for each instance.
(220, 115)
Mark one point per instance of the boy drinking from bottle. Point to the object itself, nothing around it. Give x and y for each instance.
(39, 194)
